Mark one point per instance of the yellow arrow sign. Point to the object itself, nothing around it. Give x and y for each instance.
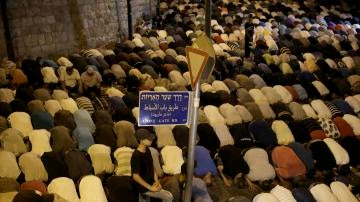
(197, 60)
(204, 43)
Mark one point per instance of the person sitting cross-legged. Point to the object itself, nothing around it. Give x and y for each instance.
(142, 170)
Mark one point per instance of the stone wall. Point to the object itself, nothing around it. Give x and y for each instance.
(142, 8)
(122, 17)
(3, 52)
(61, 27)
(40, 27)
(100, 21)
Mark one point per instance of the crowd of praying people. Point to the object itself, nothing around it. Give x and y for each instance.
(279, 118)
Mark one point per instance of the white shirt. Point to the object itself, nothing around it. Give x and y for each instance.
(271, 95)
(258, 96)
(246, 116)
(118, 71)
(60, 94)
(32, 167)
(282, 194)
(260, 168)
(70, 80)
(220, 85)
(286, 68)
(6, 95)
(12, 141)
(231, 115)
(340, 154)
(342, 193)
(160, 89)
(172, 158)
(49, 75)
(357, 97)
(205, 87)
(266, 110)
(93, 53)
(91, 189)
(8, 166)
(69, 104)
(135, 113)
(65, 188)
(100, 158)
(223, 133)
(322, 193)
(354, 103)
(40, 141)
(21, 121)
(8, 196)
(297, 111)
(112, 92)
(176, 77)
(165, 136)
(187, 77)
(52, 106)
(309, 111)
(213, 115)
(285, 95)
(354, 122)
(283, 133)
(135, 72)
(321, 88)
(265, 197)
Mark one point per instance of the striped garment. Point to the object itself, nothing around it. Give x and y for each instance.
(235, 48)
(123, 158)
(335, 111)
(310, 125)
(101, 103)
(85, 103)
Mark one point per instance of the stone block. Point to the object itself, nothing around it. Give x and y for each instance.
(16, 32)
(37, 20)
(31, 29)
(35, 3)
(18, 42)
(51, 47)
(21, 51)
(58, 27)
(35, 51)
(48, 38)
(63, 36)
(26, 22)
(41, 39)
(50, 19)
(30, 41)
(44, 28)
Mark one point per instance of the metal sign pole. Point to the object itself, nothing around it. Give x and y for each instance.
(190, 156)
(208, 17)
(194, 116)
(129, 15)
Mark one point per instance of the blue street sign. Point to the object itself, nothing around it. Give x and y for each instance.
(163, 108)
